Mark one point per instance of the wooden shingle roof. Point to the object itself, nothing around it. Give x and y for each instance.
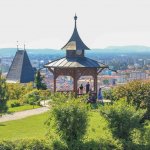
(21, 70)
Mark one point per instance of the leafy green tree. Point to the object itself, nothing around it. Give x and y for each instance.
(69, 119)
(3, 95)
(39, 81)
(136, 92)
(17, 90)
(122, 118)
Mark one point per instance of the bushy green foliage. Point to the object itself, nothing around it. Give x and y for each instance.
(12, 103)
(69, 121)
(15, 104)
(59, 98)
(136, 92)
(108, 94)
(140, 137)
(43, 144)
(17, 90)
(34, 96)
(122, 118)
(3, 95)
(26, 144)
(7, 145)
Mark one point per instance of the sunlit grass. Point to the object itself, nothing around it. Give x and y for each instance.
(34, 127)
(29, 127)
(22, 108)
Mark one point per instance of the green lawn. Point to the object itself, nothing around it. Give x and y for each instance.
(34, 127)
(22, 108)
(24, 128)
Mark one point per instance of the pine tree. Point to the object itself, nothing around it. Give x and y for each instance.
(39, 81)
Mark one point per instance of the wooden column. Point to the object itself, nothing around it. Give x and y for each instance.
(95, 82)
(75, 81)
(54, 84)
(54, 73)
(75, 87)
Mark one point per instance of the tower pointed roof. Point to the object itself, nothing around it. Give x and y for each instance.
(75, 42)
(21, 70)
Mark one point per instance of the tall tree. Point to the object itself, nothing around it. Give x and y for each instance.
(3, 95)
(39, 81)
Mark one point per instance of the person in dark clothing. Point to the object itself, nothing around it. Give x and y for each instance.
(100, 96)
(92, 98)
(87, 87)
(81, 89)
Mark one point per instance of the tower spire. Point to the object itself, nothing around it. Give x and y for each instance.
(24, 47)
(75, 18)
(75, 42)
(17, 46)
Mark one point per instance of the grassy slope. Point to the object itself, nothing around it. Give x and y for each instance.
(97, 127)
(34, 127)
(24, 128)
(22, 108)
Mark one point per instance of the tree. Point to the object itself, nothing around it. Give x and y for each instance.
(3, 95)
(17, 90)
(136, 92)
(39, 81)
(122, 118)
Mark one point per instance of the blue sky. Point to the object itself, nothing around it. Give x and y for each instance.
(49, 23)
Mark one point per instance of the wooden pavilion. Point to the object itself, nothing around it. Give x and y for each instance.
(75, 64)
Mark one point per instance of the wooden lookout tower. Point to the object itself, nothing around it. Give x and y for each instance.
(75, 64)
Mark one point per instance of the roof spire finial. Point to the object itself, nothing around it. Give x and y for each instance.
(24, 46)
(75, 18)
(17, 46)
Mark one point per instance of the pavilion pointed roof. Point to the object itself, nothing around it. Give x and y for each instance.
(75, 42)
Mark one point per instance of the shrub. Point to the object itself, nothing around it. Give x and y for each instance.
(44, 94)
(26, 144)
(15, 104)
(107, 94)
(33, 144)
(122, 118)
(69, 121)
(136, 92)
(34, 96)
(17, 90)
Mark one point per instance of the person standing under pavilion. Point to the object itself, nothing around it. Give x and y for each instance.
(87, 87)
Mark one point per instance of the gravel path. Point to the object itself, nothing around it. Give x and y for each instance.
(23, 114)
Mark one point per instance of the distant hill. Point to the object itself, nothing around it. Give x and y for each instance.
(128, 49)
(110, 49)
(11, 51)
